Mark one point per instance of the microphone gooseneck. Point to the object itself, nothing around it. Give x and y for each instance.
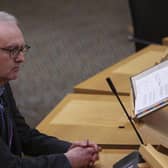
(113, 89)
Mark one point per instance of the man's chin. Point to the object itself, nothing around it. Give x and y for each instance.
(13, 77)
(4, 80)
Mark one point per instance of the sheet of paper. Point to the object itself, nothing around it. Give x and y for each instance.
(151, 89)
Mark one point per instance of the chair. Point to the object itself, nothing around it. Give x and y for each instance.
(149, 19)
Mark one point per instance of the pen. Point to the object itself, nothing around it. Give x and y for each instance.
(87, 142)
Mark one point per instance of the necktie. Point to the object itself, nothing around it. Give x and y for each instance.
(2, 114)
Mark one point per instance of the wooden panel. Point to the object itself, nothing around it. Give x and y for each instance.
(154, 127)
(96, 117)
(109, 157)
(98, 85)
(153, 157)
(121, 72)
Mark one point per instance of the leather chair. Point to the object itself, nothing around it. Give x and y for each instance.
(150, 21)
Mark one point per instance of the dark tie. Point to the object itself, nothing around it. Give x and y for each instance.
(2, 119)
(2, 115)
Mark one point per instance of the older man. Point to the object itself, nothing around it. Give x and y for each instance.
(16, 137)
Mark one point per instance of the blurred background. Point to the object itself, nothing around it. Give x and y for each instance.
(70, 40)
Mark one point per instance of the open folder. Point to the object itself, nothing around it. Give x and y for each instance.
(150, 89)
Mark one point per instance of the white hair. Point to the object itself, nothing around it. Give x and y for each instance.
(6, 17)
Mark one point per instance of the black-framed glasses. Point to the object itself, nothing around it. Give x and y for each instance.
(15, 51)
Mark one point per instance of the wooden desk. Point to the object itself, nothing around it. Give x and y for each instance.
(121, 71)
(96, 117)
(100, 119)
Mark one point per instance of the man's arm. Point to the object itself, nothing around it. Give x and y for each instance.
(7, 159)
(33, 142)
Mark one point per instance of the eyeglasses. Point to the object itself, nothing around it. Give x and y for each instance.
(15, 51)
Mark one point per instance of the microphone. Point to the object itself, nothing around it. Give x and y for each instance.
(113, 89)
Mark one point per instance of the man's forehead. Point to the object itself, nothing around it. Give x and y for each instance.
(8, 27)
(10, 32)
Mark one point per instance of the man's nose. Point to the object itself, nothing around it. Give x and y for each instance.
(20, 58)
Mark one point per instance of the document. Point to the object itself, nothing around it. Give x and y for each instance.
(150, 89)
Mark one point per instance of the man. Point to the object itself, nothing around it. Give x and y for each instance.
(16, 137)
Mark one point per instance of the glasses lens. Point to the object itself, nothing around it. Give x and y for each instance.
(16, 51)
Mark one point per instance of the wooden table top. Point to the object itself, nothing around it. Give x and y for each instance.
(96, 117)
(101, 119)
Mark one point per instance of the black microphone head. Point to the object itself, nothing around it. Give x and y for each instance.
(111, 85)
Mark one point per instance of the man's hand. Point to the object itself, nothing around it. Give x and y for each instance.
(85, 144)
(82, 157)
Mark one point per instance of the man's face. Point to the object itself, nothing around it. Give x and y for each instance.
(11, 37)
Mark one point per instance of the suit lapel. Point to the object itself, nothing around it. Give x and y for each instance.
(8, 120)
(15, 143)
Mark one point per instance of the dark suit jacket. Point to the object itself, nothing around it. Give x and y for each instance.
(47, 151)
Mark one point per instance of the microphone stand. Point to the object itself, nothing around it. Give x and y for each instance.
(113, 89)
